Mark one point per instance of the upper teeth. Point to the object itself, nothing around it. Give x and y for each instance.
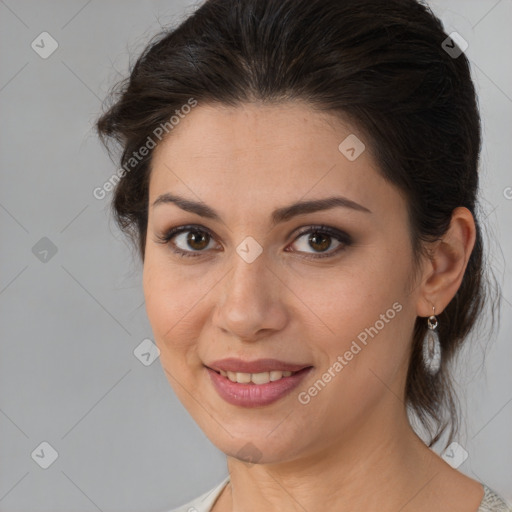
(255, 378)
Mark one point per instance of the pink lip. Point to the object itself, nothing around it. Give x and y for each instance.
(257, 366)
(255, 395)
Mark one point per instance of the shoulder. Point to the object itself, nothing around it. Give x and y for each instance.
(204, 502)
(492, 502)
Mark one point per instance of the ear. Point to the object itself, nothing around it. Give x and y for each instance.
(449, 258)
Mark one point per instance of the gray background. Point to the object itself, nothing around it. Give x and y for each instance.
(70, 321)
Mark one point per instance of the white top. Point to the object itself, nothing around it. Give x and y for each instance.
(491, 501)
(203, 503)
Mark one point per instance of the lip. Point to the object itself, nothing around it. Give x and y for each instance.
(255, 395)
(232, 364)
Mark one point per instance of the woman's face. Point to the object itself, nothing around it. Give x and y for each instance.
(262, 286)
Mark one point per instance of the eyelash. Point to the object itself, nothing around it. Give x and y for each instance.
(340, 236)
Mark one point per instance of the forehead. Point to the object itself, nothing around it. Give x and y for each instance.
(256, 132)
(258, 153)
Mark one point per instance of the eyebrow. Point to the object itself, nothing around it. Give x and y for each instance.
(279, 215)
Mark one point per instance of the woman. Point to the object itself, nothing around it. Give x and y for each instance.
(300, 178)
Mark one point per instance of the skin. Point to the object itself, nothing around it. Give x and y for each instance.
(351, 448)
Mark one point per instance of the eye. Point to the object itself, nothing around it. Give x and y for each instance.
(189, 241)
(320, 239)
(192, 241)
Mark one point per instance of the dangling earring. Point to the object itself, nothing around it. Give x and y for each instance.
(432, 346)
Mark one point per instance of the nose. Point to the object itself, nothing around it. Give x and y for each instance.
(251, 300)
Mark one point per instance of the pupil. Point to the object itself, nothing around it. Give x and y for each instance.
(194, 237)
(314, 238)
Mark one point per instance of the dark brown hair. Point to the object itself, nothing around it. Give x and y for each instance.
(380, 64)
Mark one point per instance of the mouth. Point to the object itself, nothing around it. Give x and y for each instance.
(244, 389)
(258, 378)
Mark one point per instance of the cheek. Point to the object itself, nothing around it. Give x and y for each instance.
(352, 295)
(172, 308)
(363, 356)
(362, 314)
(170, 300)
